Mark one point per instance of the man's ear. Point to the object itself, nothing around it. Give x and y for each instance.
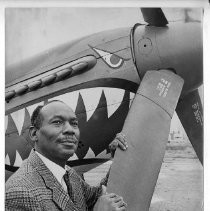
(33, 133)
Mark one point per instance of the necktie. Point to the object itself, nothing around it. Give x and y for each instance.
(69, 186)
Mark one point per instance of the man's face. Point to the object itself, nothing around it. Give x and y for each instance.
(59, 133)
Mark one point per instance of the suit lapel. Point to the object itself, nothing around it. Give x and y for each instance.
(60, 197)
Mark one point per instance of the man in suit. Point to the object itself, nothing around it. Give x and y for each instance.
(44, 182)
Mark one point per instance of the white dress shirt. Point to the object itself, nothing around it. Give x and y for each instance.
(56, 170)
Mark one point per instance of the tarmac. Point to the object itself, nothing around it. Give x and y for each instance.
(180, 183)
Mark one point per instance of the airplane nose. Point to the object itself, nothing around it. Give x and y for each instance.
(180, 47)
(177, 46)
(145, 51)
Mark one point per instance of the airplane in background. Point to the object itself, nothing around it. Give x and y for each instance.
(98, 76)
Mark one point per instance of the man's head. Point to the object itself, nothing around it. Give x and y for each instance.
(55, 131)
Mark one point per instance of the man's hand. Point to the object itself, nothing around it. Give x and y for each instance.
(120, 142)
(109, 202)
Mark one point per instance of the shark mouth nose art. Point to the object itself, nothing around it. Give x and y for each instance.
(96, 108)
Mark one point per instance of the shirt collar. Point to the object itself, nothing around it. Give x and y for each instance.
(57, 170)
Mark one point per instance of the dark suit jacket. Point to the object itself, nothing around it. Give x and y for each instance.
(34, 187)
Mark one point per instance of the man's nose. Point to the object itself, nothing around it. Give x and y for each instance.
(68, 128)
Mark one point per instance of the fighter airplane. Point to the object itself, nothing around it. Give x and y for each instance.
(106, 67)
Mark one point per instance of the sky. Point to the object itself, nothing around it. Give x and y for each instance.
(30, 31)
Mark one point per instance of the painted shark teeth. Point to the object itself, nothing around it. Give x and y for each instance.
(7, 160)
(74, 157)
(18, 159)
(103, 154)
(91, 99)
(18, 118)
(32, 107)
(69, 98)
(90, 154)
(114, 98)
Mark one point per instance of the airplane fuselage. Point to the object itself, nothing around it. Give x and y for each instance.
(97, 76)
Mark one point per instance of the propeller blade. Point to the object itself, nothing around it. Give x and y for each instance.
(190, 113)
(134, 172)
(154, 16)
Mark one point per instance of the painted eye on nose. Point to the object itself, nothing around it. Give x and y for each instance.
(110, 59)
